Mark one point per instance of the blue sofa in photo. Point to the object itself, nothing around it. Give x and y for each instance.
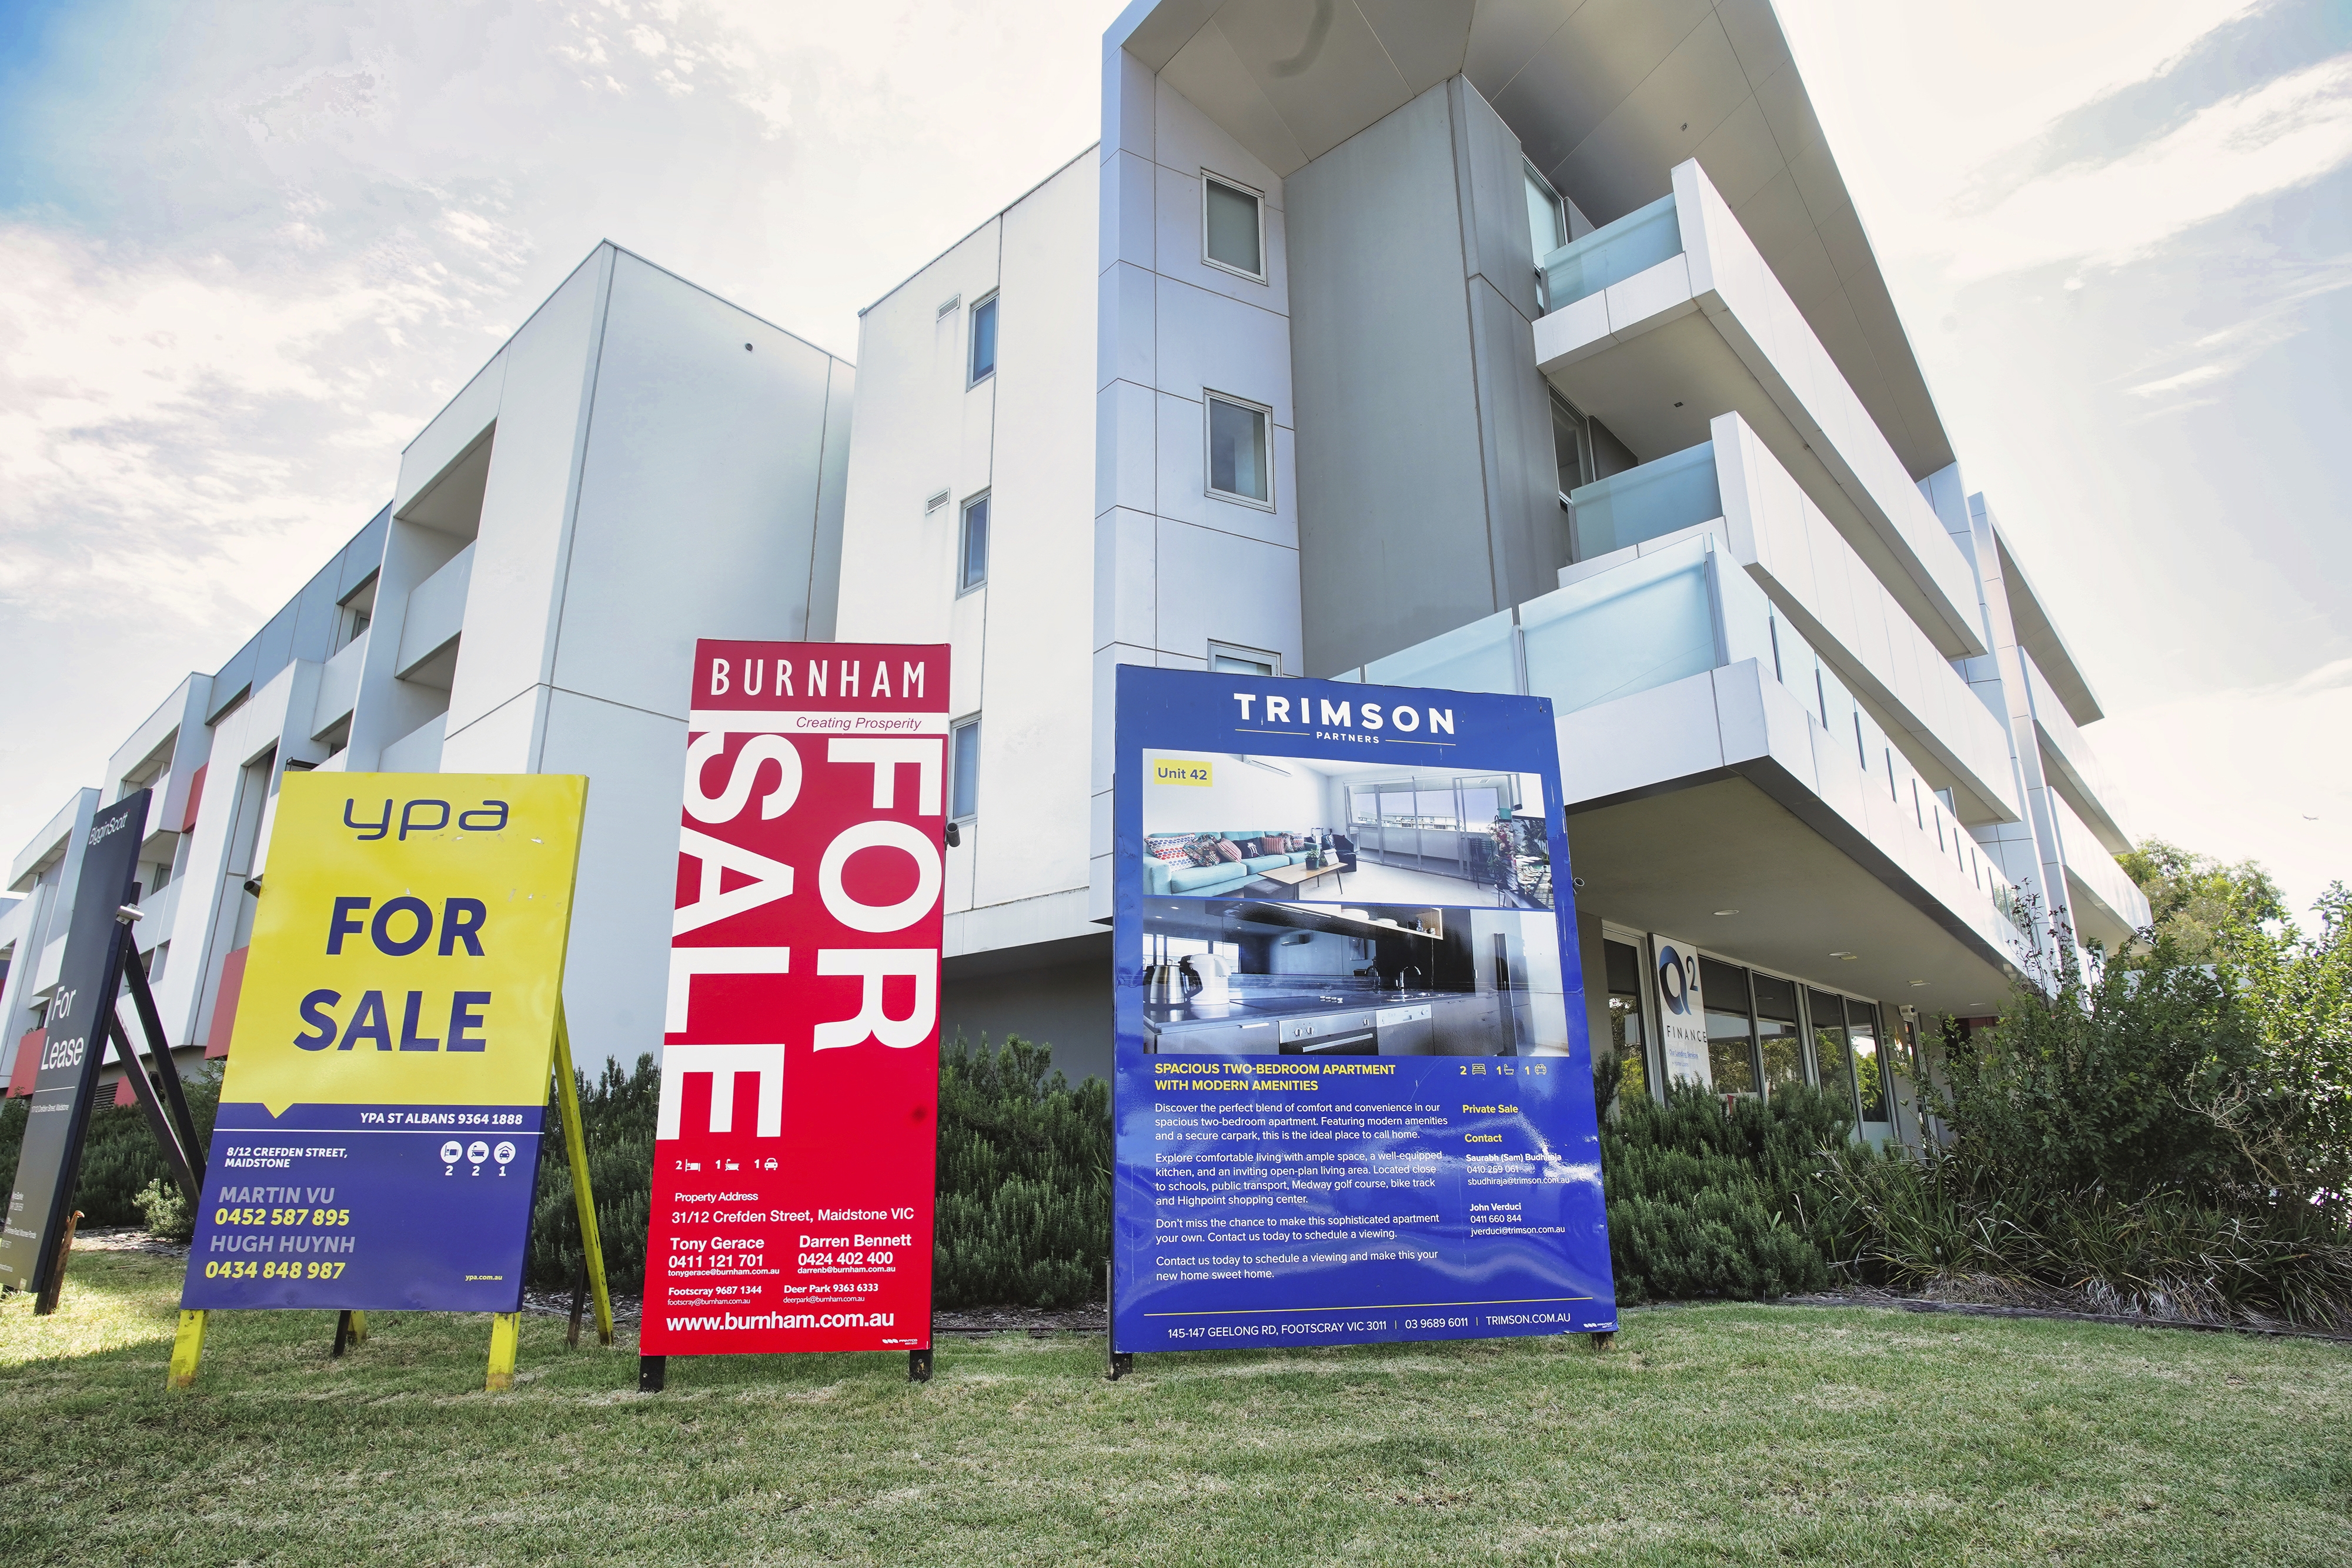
(1204, 880)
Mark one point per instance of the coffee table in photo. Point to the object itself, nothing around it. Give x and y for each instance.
(1299, 876)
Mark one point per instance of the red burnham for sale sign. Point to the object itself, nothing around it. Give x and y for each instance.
(792, 1162)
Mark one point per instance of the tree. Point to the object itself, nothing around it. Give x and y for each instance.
(2204, 907)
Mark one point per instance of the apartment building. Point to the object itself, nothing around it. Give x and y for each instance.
(1529, 346)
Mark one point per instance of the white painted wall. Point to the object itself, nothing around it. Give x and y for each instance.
(1020, 640)
(1175, 567)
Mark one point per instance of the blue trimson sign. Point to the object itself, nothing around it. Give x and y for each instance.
(1353, 1097)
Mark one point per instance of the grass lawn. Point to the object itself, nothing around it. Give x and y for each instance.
(1734, 1434)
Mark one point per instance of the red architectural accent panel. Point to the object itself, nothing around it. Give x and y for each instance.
(216, 1038)
(794, 1152)
(28, 1062)
(195, 799)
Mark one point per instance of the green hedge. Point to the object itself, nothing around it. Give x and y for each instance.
(1024, 1204)
(1706, 1203)
(119, 1156)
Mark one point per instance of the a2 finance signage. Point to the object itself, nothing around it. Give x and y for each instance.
(1682, 1012)
(73, 1046)
(378, 1136)
(1353, 1095)
(796, 1138)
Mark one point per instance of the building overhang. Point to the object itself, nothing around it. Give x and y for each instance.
(1719, 792)
(1605, 100)
(1668, 861)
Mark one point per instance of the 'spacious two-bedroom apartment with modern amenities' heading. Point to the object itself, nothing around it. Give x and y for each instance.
(1525, 346)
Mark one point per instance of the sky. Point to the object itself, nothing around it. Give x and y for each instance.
(247, 251)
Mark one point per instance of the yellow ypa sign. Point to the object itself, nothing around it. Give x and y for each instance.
(1180, 770)
(409, 946)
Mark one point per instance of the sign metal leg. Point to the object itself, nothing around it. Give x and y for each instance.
(575, 1153)
(343, 1335)
(167, 1072)
(1603, 1340)
(187, 1349)
(653, 1373)
(506, 1332)
(918, 1366)
(46, 1301)
(359, 1326)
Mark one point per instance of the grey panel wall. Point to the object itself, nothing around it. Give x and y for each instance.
(1427, 486)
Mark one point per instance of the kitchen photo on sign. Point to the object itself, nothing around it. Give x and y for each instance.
(1391, 911)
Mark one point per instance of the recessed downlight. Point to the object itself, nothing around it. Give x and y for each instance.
(1726, 911)
(1835, 954)
(1919, 982)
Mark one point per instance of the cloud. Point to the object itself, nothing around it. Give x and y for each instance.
(2288, 131)
(245, 265)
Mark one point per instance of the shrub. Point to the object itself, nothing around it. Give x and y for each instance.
(2159, 1135)
(1024, 1179)
(617, 1116)
(168, 1212)
(1705, 1202)
(119, 1156)
(1023, 1189)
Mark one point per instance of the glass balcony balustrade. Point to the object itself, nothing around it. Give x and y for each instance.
(1611, 254)
(1657, 498)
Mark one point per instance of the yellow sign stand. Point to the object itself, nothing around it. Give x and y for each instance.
(188, 1343)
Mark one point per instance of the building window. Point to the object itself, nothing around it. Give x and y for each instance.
(1233, 227)
(963, 770)
(358, 611)
(1547, 214)
(1239, 469)
(983, 340)
(1224, 658)
(1730, 1043)
(1629, 1035)
(974, 552)
(1778, 1039)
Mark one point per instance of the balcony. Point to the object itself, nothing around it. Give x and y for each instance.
(1704, 328)
(2106, 903)
(1657, 498)
(2072, 765)
(1733, 485)
(1670, 669)
(339, 688)
(1632, 244)
(436, 615)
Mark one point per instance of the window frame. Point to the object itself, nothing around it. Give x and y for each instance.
(965, 581)
(1272, 661)
(1645, 1002)
(955, 774)
(1208, 449)
(1264, 273)
(974, 375)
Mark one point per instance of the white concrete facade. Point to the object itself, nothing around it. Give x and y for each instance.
(1869, 755)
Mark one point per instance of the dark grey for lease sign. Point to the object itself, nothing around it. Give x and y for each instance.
(73, 1048)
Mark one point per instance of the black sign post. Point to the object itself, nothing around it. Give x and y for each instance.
(73, 1049)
